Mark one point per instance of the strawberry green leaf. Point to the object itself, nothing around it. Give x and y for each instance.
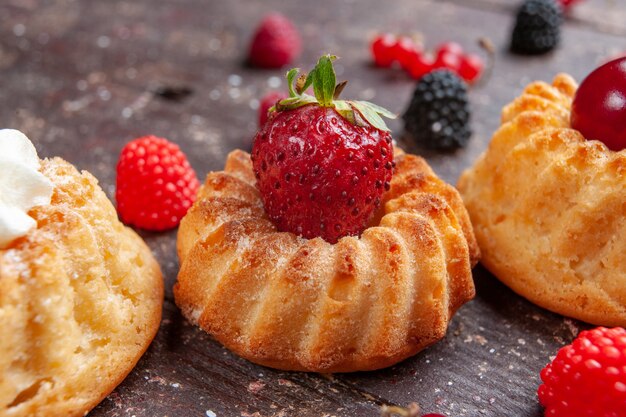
(345, 110)
(380, 110)
(294, 102)
(370, 115)
(291, 76)
(324, 80)
(308, 82)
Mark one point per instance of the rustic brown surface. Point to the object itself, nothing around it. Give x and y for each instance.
(77, 78)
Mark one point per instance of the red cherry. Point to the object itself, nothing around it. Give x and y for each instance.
(382, 50)
(599, 106)
(448, 60)
(405, 51)
(420, 66)
(471, 67)
(450, 47)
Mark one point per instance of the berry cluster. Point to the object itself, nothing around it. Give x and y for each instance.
(388, 49)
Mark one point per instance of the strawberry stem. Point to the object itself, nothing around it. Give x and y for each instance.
(326, 93)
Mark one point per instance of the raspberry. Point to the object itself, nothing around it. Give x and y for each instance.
(267, 102)
(155, 184)
(537, 27)
(382, 50)
(275, 44)
(322, 164)
(587, 377)
(438, 115)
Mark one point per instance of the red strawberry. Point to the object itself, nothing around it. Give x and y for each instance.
(322, 164)
(155, 184)
(276, 42)
(268, 101)
(588, 377)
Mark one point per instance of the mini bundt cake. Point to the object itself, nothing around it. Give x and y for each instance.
(304, 304)
(548, 208)
(80, 301)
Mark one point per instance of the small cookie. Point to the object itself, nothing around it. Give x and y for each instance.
(80, 302)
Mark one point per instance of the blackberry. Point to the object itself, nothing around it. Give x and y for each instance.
(537, 27)
(438, 115)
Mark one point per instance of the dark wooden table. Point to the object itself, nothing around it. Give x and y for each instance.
(78, 78)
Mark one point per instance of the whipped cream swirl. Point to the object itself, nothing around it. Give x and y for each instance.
(22, 186)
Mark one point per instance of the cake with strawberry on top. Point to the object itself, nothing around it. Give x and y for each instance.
(327, 249)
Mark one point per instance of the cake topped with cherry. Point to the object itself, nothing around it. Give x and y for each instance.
(547, 198)
(328, 249)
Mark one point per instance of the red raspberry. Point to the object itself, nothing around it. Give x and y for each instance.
(275, 44)
(588, 377)
(322, 164)
(268, 101)
(382, 50)
(155, 184)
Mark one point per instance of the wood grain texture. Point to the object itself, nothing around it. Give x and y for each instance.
(78, 77)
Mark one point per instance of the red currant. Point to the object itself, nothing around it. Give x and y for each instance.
(433, 415)
(420, 66)
(599, 106)
(448, 60)
(405, 51)
(471, 67)
(382, 50)
(450, 47)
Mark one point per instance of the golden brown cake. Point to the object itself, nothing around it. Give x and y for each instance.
(80, 301)
(290, 303)
(549, 208)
